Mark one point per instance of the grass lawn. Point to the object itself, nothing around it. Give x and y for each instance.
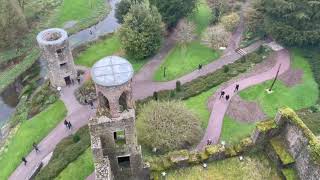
(233, 131)
(80, 168)
(185, 59)
(84, 12)
(297, 97)
(103, 48)
(202, 16)
(253, 167)
(33, 130)
(198, 105)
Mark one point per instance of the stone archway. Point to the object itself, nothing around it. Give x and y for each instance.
(123, 101)
(103, 101)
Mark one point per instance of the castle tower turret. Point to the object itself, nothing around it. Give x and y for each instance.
(54, 45)
(113, 132)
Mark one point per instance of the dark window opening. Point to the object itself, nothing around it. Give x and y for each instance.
(119, 137)
(59, 52)
(67, 80)
(124, 161)
(104, 103)
(123, 102)
(63, 65)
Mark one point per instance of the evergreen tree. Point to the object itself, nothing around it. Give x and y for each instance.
(292, 22)
(141, 32)
(122, 8)
(173, 10)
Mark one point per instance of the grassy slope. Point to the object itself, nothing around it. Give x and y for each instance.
(301, 95)
(253, 167)
(107, 47)
(184, 59)
(33, 130)
(80, 168)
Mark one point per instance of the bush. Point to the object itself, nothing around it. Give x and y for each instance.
(167, 126)
(225, 68)
(86, 92)
(178, 86)
(22, 111)
(141, 32)
(122, 8)
(68, 150)
(216, 37)
(230, 22)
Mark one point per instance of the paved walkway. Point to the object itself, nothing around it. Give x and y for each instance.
(219, 107)
(78, 115)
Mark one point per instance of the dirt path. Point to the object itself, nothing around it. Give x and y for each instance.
(219, 107)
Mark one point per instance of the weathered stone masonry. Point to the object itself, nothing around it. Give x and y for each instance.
(54, 45)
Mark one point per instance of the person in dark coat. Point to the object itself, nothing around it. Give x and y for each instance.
(24, 160)
(69, 125)
(237, 88)
(66, 123)
(222, 94)
(227, 97)
(35, 147)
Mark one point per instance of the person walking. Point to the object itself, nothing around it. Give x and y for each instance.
(237, 88)
(91, 32)
(227, 97)
(85, 101)
(24, 160)
(69, 125)
(200, 67)
(35, 147)
(91, 104)
(66, 123)
(222, 94)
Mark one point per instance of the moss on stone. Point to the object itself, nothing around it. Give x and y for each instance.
(289, 174)
(314, 143)
(177, 156)
(203, 156)
(194, 158)
(214, 149)
(230, 151)
(280, 149)
(265, 126)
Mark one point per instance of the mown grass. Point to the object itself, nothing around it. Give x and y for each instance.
(184, 59)
(84, 12)
(33, 130)
(78, 169)
(254, 167)
(233, 131)
(202, 16)
(300, 96)
(107, 47)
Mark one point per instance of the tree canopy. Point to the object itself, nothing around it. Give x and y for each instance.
(167, 126)
(292, 22)
(173, 10)
(141, 32)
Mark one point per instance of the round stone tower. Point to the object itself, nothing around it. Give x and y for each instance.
(113, 132)
(54, 45)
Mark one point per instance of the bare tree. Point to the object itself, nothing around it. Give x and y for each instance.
(218, 7)
(216, 37)
(230, 21)
(185, 31)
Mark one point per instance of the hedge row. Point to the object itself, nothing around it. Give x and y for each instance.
(181, 158)
(68, 150)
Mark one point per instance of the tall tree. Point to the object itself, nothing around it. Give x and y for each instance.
(218, 7)
(141, 32)
(173, 10)
(292, 22)
(216, 37)
(185, 31)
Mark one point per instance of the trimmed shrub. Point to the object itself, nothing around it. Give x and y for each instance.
(68, 150)
(225, 68)
(178, 86)
(167, 126)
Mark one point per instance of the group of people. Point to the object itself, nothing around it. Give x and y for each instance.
(228, 96)
(90, 102)
(36, 148)
(67, 124)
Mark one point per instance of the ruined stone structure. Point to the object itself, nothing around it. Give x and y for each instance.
(54, 45)
(113, 135)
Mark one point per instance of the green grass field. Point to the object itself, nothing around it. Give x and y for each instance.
(232, 131)
(79, 169)
(254, 167)
(33, 130)
(185, 59)
(201, 17)
(103, 48)
(84, 12)
(297, 97)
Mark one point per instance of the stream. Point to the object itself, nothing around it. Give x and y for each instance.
(9, 98)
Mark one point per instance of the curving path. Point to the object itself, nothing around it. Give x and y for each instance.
(219, 106)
